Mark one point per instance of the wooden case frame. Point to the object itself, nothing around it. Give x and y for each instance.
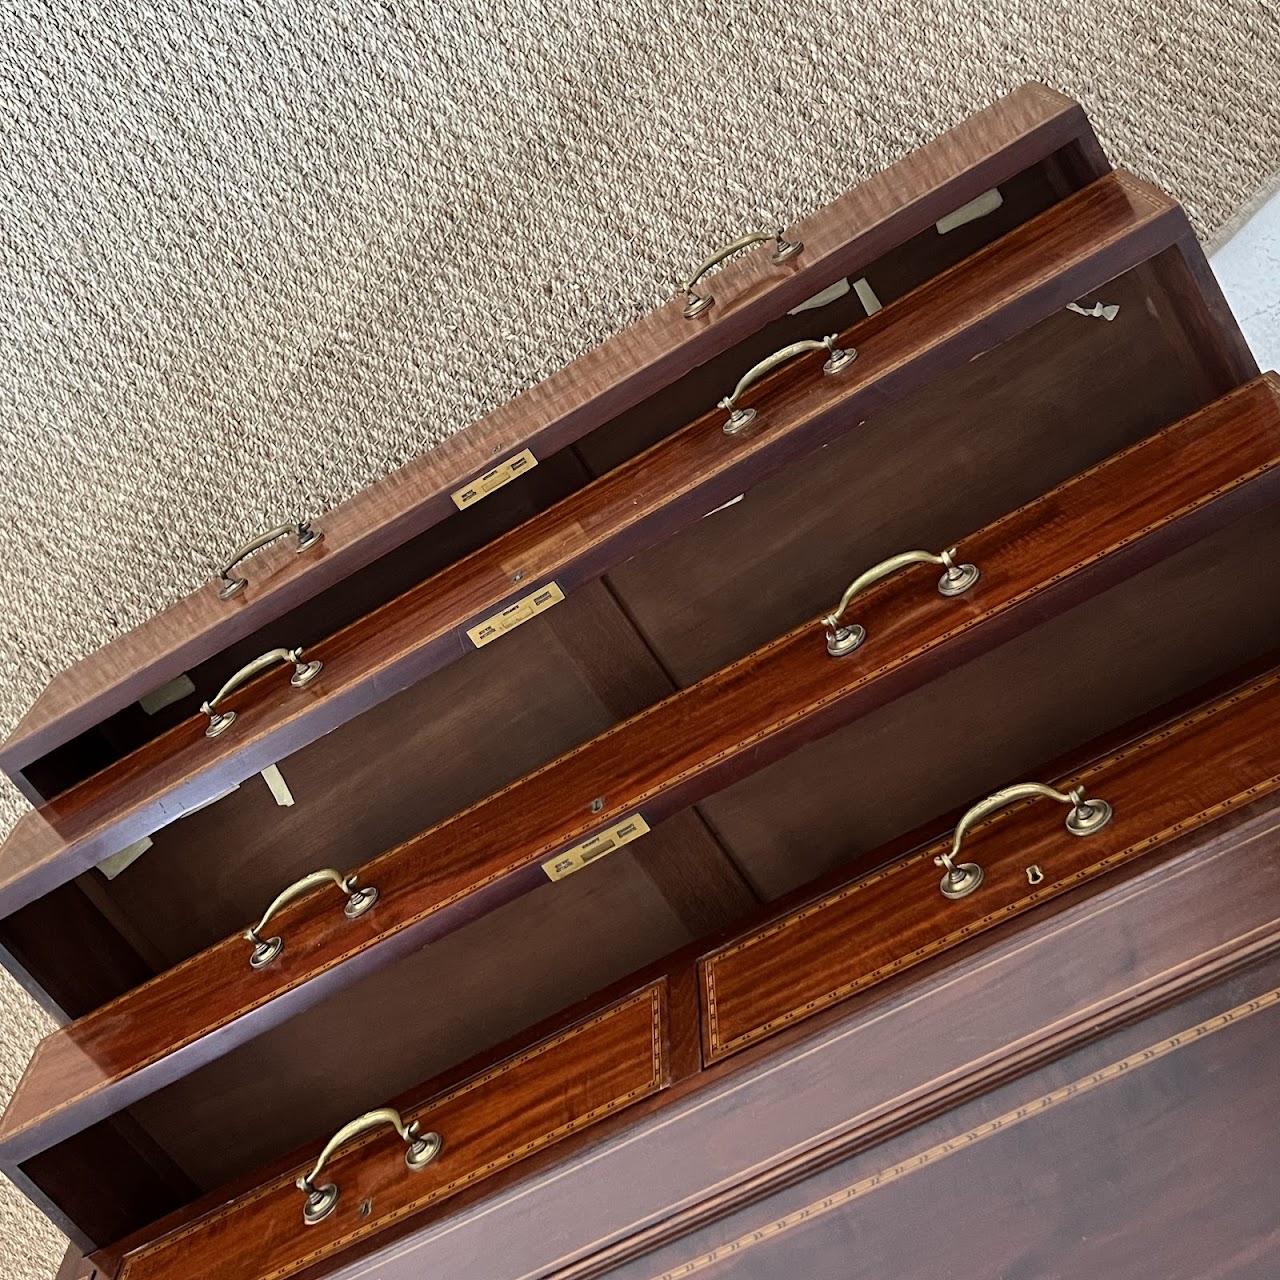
(809, 435)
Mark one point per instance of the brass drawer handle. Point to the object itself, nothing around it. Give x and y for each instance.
(306, 535)
(962, 878)
(303, 674)
(837, 361)
(359, 901)
(696, 303)
(422, 1150)
(957, 579)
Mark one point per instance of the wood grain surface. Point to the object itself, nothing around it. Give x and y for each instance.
(1098, 528)
(516, 1108)
(974, 444)
(846, 941)
(1016, 132)
(1091, 1166)
(1185, 913)
(1110, 227)
(364, 789)
(954, 455)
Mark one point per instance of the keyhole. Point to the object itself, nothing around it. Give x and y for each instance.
(366, 1208)
(1034, 875)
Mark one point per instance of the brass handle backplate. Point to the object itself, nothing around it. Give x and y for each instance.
(956, 580)
(265, 950)
(422, 1150)
(836, 362)
(303, 674)
(962, 878)
(301, 529)
(784, 249)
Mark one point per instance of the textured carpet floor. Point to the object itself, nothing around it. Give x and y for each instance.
(254, 256)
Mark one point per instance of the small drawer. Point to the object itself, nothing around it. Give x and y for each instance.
(522, 1105)
(1202, 766)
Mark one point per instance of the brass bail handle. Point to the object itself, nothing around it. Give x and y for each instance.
(836, 362)
(961, 878)
(784, 249)
(956, 579)
(303, 674)
(301, 529)
(265, 950)
(422, 1150)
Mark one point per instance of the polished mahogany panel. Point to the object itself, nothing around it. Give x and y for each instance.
(1111, 226)
(519, 1106)
(919, 1046)
(1105, 524)
(952, 456)
(1149, 1152)
(877, 926)
(1025, 128)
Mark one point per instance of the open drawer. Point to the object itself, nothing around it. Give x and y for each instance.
(1129, 584)
(1031, 149)
(824, 1017)
(623, 593)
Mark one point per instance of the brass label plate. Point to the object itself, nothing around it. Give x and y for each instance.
(574, 859)
(504, 473)
(513, 615)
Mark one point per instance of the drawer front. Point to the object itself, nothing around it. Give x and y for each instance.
(1149, 1152)
(555, 1088)
(1168, 783)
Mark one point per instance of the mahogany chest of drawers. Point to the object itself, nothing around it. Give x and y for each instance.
(817, 745)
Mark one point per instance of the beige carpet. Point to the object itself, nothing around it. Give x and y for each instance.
(255, 255)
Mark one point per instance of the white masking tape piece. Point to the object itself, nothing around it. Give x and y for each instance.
(274, 779)
(204, 804)
(733, 502)
(829, 294)
(112, 865)
(867, 296)
(177, 689)
(987, 202)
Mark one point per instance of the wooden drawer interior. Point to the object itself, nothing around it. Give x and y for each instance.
(1168, 630)
(971, 447)
(979, 442)
(890, 276)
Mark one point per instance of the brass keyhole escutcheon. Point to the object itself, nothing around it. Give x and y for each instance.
(366, 1208)
(1035, 875)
